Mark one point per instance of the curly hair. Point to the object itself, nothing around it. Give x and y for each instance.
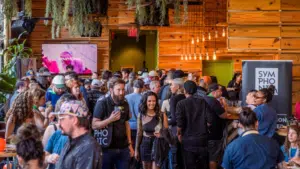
(287, 143)
(27, 131)
(31, 149)
(37, 94)
(143, 105)
(268, 93)
(21, 108)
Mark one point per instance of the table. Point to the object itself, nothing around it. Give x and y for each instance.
(9, 154)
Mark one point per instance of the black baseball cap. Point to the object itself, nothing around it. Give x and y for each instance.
(213, 87)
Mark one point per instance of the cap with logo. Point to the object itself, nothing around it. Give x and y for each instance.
(59, 81)
(74, 108)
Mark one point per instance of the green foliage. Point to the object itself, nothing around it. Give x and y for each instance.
(15, 50)
(177, 12)
(10, 8)
(28, 8)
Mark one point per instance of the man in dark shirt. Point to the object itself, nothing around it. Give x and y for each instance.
(252, 150)
(175, 156)
(81, 150)
(114, 110)
(193, 118)
(94, 94)
(217, 126)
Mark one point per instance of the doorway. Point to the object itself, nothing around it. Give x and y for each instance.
(127, 52)
(222, 69)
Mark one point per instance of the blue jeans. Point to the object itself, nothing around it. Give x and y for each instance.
(116, 158)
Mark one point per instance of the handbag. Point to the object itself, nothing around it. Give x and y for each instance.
(104, 135)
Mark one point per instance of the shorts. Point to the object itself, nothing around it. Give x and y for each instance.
(215, 150)
(146, 149)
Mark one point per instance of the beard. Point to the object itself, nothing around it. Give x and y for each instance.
(118, 98)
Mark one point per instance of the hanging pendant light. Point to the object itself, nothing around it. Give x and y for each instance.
(214, 55)
(209, 37)
(181, 58)
(207, 57)
(200, 57)
(195, 56)
(223, 32)
(190, 57)
(197, 39)
(203, 38)
(186, 58)
(216, 34)
(193, 41)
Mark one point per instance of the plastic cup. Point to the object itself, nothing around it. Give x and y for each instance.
(2, 144)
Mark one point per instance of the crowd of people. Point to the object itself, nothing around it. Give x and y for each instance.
(163, 119)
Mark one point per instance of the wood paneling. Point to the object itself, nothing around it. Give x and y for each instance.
(254, 5)
(253, 17)
(253, 43)
(291, 43)
(290, 31)
(254, 31)
(290, 4)
(262, 23)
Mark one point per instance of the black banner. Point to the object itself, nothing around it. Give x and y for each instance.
(258, 74)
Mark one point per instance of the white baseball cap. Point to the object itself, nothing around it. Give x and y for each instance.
(59, 81)
(153, 73)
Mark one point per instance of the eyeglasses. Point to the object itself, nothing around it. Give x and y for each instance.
(257, 97)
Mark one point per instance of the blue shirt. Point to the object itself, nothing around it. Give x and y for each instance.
(52, 96)
(252, 151)
(267, 119)
(133, 101)
(55, 144)
(288, 155)
(13, 97)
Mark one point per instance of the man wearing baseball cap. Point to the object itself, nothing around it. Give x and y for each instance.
(94, 94)
(81, 150)
(57, 90)
(218, 124)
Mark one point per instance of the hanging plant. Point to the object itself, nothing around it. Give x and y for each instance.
(28, 8)
(10, 9)
(185, 9)
(66, 12)
(141, 12)
(177, 11)
(81, 9)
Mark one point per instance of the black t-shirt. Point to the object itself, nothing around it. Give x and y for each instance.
(218, 124)
(103, 109)
(93, 96)
(193, 115)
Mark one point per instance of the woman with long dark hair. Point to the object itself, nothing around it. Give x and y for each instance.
(266, 115)
(234, 86)
(150, 122)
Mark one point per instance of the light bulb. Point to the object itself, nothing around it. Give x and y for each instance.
(190, 56)
(214, 56)
(216, 34)
(203, 38)
(197, 39)
(209, 37)
(223, 32)
(207, 57)
(195, 57)
(181, 58)
(193, 41)
(200, 57)
(186, 58)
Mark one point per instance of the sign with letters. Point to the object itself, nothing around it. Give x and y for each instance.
(258, 74)
(104, 136)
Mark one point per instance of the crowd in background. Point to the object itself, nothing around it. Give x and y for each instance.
(163, 119)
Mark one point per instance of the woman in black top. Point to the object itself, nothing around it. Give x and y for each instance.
(234, 86)
(149, 125)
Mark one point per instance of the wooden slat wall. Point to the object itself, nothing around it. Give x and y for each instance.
(267, 26)
(169, 42)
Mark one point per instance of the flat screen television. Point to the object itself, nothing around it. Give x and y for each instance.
(83, 57)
